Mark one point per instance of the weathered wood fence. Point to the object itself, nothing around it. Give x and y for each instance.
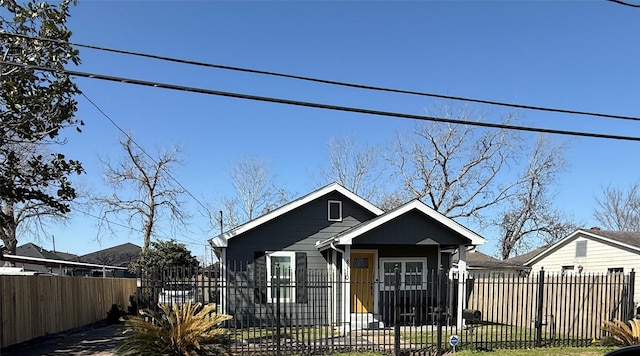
(556, 305)
(34, 306)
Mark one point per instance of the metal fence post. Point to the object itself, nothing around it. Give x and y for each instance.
(539, 306)
(632, 307)
(438, 311)
(277, 292)
(396, 314)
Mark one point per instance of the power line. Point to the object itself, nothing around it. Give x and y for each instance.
(339, 83)
(145, 152)
(191, 241)
(625, 3)
(323, 106)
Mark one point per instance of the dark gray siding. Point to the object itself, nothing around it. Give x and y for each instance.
(412, 228)
(298, 230)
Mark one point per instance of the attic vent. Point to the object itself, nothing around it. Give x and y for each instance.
(581, 248)
(335, 210)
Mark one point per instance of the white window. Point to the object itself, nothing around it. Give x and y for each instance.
(412, 272)
(281, 264)
(615, 270)
(569, 270)
(335, 210)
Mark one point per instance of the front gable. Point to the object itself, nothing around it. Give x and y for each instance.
(413, 223)
(298, 228)
(411, 228)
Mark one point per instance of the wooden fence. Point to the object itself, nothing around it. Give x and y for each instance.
(34, 306)
(558, 305)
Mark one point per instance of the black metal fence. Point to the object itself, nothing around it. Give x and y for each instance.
(318, 312)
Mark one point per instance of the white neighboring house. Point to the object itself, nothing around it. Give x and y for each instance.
(592, 251)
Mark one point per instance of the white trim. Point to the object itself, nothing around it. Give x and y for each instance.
(292, 275)
(56, 263)
(223, 280)
(329, 202)
(346, 291)
(222, 239)
(345, 239)
(585, 233)
(402, 261)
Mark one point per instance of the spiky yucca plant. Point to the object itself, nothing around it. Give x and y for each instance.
(192, 330)
(626, 333)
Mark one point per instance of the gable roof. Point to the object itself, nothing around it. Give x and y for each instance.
(521, 260)
(35, 251)
(479, 260)
(346, 236)
(628, 240)
(221, 240)
(120, 255)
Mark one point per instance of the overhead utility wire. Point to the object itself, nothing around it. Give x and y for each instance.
(625, 3)
(192, 241)
(333, 82)
(321, 106)
(145, 152)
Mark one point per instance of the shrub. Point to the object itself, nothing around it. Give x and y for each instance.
(192, 330)
(625, 333)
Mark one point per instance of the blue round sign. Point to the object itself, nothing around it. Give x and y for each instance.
(454, 341)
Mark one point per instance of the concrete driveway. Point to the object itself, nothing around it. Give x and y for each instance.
(95, 339)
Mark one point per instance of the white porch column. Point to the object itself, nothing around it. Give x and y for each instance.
(223, 280)
(462, 284)
(346, 294)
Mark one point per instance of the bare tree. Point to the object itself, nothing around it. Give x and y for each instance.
(144, 191)
(530, 217)
(256, 193)
(455, 168)
(357, 169)
(619, 209)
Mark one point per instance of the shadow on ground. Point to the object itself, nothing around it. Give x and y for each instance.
(95, 339)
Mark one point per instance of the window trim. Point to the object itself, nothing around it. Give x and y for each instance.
(402, 261)
(583, 249)
(339, 210)
(615, 270)
(292, 271)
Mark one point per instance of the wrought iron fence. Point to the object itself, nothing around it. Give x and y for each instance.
(317, 312)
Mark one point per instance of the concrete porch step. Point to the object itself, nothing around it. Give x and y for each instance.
(365, 321)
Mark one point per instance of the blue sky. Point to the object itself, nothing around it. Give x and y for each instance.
(572, 54)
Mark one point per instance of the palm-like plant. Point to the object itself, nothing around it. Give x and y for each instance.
(190, 330)
(625, 333)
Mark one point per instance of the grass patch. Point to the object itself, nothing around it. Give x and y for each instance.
(308, 333)
(559, 351)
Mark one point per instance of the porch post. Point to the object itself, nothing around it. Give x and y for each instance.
(346, 297)
(462, 284)
(223, 280)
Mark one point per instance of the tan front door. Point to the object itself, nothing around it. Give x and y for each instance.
(362, 282)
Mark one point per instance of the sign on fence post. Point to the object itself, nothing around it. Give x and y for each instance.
(454, 341)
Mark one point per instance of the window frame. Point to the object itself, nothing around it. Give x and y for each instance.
(568, 270)
(402, 262)
(329, 203)
(292, 276)
(581, 246)
(615, 270)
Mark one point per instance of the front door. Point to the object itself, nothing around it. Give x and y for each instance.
(362, 282)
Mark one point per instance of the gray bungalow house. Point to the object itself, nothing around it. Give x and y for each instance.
(333, 250)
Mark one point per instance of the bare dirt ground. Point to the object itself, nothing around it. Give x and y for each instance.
(99, 339)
